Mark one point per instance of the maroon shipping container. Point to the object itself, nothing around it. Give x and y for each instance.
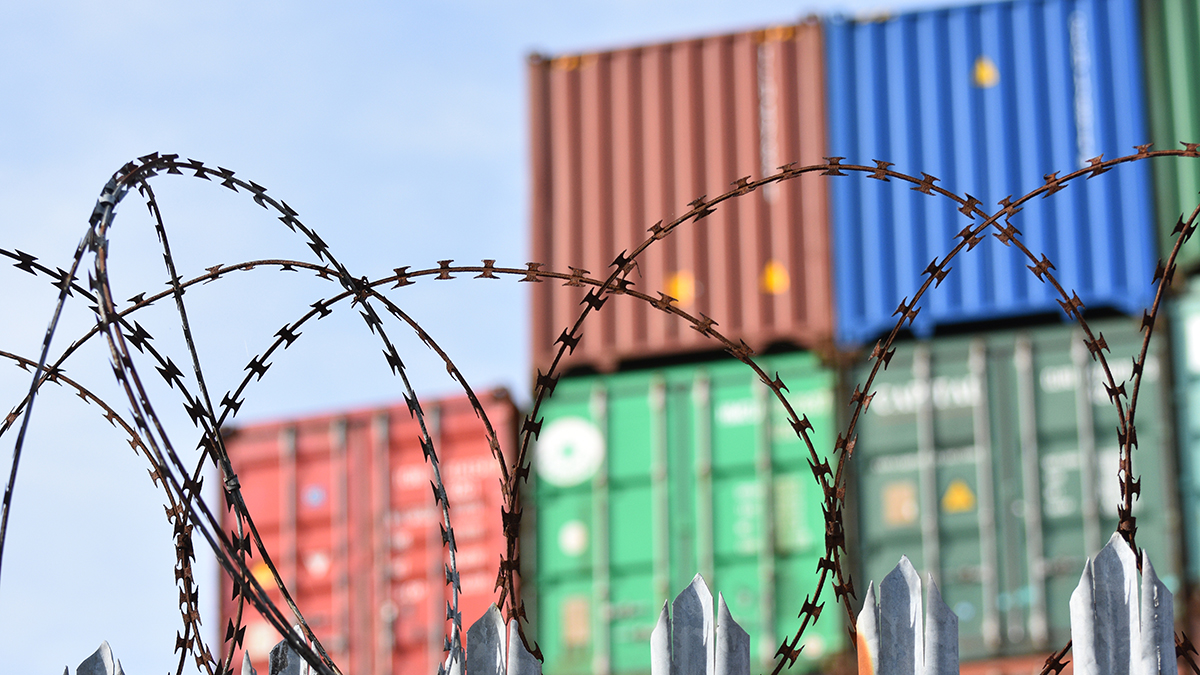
(623, 139)
(344, 506)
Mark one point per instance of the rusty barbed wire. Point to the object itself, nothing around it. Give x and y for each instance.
(126, 374)
(288, 217)
(233, 550)
(936, 272)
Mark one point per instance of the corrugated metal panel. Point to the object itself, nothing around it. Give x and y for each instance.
(1172, 28)
(344, 507)
(645, 478)
(962, 431)
(623, 139)
(988, 98)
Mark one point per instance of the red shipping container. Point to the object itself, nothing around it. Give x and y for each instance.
(622, 139)
(345, 509)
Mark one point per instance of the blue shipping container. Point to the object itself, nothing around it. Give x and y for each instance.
(988, 98)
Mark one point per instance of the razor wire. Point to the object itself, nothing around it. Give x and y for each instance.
(187, 510)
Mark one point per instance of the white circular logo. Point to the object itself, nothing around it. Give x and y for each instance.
(573, 537)
(569, 451)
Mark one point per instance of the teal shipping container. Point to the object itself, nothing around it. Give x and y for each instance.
(645, 478)
(991, 462)
(1171, 29)
(1185, 325)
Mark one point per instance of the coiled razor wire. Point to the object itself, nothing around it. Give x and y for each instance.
(187, 510)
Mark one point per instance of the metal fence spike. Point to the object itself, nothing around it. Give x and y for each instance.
(941, 635)
(692, 630)
(733, 643)
(520, 661)
(901, 638)
(247, 669)
(487, 644)
(101, 662)
(1083, 624)
(660, 644)
(867, 629)
(285, 661)
(1104, 616)
(1157, 655)
(1114, 573)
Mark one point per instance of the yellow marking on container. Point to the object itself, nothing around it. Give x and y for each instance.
(682, 286)
(900, 503)
(958, 497)
(576, 621)
(774, 279)
(571, 62)
(985, 74)
(776, 34)
(262, 574)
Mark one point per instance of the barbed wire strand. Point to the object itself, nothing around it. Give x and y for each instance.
(834, 492)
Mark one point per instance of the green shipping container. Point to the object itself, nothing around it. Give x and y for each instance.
(991, 463)
(1185, 325)
(645, 478)
(1172, 31)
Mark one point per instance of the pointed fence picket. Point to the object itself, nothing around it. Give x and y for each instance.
(493, 648)
(101, 662)
(891, 639)
(1111, 634)
(688, 641)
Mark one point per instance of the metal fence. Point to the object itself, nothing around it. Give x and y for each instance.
(890, 636)
(1110, 634)
(101, 662)
(687, 640)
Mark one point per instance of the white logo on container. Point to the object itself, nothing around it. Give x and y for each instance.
(573, 538)
(569, 451)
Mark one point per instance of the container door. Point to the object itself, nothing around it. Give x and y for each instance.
(679, 420)
(567, 458)
(926, 482)
(1187, 386)
(735, 451)
(767, 527)
(645, 479)
(991, 462)
(638, 520)
(796, 526)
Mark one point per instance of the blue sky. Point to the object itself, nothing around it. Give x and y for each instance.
(396, 130)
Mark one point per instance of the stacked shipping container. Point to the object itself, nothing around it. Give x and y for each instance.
(988, 98)
(1171, 28)
(623, 139)
(647, 477)
(985, 459)
(990, 461)
(974, 456)
(1173, 66)
(344, 507)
